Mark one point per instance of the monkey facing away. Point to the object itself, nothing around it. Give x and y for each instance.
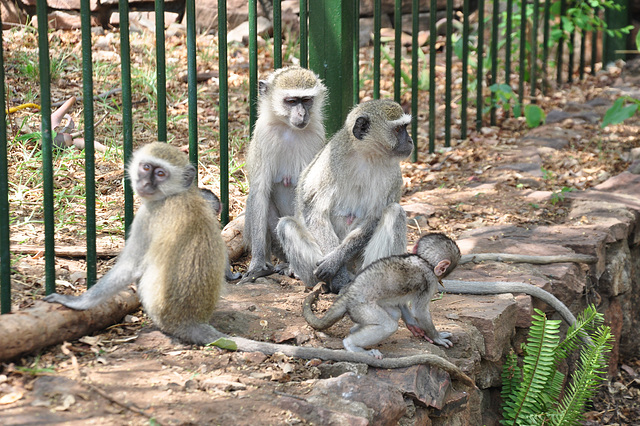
(347, 201)
(390, 288)
(177, 255)
(288, 133)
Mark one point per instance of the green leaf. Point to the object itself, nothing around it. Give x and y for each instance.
(224, 343)
(618, 113)
(534, 115)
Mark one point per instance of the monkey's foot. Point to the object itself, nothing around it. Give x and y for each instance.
(284, 269)
(256, 273)
(443, 339)
(72, 302)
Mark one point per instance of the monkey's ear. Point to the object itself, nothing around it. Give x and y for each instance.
(189, 175)
(263, 87)
(361, 128)
(441, 268)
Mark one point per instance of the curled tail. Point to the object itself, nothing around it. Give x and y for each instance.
(332, 316)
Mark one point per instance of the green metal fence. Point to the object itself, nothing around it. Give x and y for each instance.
(512, 58)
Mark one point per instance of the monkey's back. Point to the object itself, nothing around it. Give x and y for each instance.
(187, 285)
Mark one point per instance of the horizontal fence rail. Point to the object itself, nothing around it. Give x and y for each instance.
(500, 50)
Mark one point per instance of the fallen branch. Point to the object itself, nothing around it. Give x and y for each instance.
(232, 235)
(47, 324)
(62, 251)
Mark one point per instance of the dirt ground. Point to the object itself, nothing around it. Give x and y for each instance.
(133, 374)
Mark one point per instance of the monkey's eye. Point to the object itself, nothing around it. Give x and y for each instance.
(146, 167)
(291, 101)
(161, 173)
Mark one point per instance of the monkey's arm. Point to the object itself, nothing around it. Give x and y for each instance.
(126, 270)
(419, 322)
(480, 287)
(353, 243)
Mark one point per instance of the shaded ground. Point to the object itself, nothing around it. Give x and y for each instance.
(130, 373)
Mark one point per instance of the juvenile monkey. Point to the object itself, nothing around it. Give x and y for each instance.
(347, 202)
(288, 133)
(390, 288)
(216, 205)
(177, 256)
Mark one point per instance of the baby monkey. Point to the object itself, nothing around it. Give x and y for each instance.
(390, 288)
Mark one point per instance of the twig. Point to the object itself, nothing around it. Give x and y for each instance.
(521, 258)
(128, 406)
(63, 251)
(95, 98)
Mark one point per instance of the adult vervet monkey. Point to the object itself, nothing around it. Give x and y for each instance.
(347, 202)
(177, 256)
(288, 133)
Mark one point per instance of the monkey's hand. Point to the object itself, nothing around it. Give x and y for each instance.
(73, 302)
(418, 332)
(328, 266)
(443, 339)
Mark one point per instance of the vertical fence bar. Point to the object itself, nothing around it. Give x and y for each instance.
(464, 103)
(545, 42)
(277, 33)
(5, 251)
(127, 107)
(494, 58)
(523, 46)
(571, 47)
(397, 72)
(253, 63)
(89, 137)
(377, 19)
(448, 79)
(223, 103)
(433, 9)
(583, 39)
(397, 77)
(534, 50)
(415, 27)
(480, 76)
(47, 145)
(304, 33)
(161, 71)
(594, 44)
(560, 51)
(356, 52)
(192, 81)
(507, 43)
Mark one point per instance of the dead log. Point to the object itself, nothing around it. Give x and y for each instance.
(62, 251)
(47, 324)
(232, 235)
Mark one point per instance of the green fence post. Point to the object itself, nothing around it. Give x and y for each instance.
(534, 50)
(304, 36)
(448, 77)
(356, 52)
(161, 71)
(397, 47)
(47, 146)
(465, 69)
(480, 56)
(127, 108)
(331, 55)
(253, 64)
(89, 138)
(433, 10)
(377, 23)
(277, 33)
(223, 102)
(5, 250)
(415, 27)
(192, 81)
(493, 49)
(615, 19)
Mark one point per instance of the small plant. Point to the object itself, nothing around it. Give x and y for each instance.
(623, 108)
(534, 115)
(423, 75)
(558, 197)
(537, 393)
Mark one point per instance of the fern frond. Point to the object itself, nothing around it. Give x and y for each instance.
(538, 366)
(511, 380)
(585, 325)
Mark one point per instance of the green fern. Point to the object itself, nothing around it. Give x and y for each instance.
(531, 395)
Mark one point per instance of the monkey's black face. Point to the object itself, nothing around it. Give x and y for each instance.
(299, 110)
(150, 176)
(404, 143)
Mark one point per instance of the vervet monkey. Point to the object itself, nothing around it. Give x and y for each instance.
(216, 205)
(288, 133)
(347, 201)
(390, 288)
(176, 254)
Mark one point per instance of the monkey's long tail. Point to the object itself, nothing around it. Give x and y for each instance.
(247, 345)
(332, 316)
(204, 334)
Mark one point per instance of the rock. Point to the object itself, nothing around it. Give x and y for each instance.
(240, 34)
(339, 368)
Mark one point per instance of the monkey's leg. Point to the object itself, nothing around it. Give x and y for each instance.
(300, 247)
(389, 237)
(373, 325)
(257, 216)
